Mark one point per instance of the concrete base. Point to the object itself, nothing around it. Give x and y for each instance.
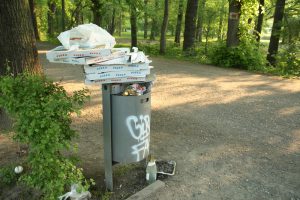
(147, 191)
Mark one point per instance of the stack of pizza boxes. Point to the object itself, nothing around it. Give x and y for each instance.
(105, 65)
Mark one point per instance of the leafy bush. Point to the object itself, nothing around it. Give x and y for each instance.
(151, 49)
(174, 51)
(42, 113)
(245, 56)
(7, 175)
(288, 60)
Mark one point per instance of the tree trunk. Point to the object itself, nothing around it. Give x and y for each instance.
(77, 16)
(220, 29)
(50, 16)
(17, 47)
(199, 29)
(63, 13)
(146, 19)
(164, 29)
(57, 21)
(233, 23)
(179, 21)
(33, 18)
(112, 24)
(287, 31)
(260, 19)
(207, 33)
(133, 23)
(153, 29)
(154, 23)
(190, 26)
(120, 25)
(96, 8)
(276, 29)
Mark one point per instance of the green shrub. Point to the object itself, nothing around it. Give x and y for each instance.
(245, 56)
(42, 113)
(174, 51)
(151, 49)
(7, 175)
(288, 60)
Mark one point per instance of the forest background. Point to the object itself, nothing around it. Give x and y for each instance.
(259, 35)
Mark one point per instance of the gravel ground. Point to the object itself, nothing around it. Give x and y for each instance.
(233, 134)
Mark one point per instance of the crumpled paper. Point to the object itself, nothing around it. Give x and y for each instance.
(74, 195)
(86, 36)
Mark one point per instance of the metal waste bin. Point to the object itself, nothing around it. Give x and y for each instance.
(130, 127)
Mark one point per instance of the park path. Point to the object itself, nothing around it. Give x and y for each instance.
(233, 134)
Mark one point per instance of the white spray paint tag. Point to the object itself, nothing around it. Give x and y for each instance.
(139, 129)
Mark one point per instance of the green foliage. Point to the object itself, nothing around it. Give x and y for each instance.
(175, 51)
(7, 175)
(245, 56)
(288, 60)
(42, 112)
(106, 195)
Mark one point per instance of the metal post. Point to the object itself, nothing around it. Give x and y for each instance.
(106, 103)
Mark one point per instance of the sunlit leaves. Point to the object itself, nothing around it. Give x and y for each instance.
(42, 112)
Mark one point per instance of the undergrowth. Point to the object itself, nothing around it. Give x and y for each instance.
(42, 112)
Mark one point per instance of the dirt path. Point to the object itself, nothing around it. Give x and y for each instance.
(233, 134)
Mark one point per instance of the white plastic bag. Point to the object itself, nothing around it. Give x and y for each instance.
(86, 36)
(74, 195)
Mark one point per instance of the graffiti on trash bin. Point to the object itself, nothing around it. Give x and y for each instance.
(139, 128)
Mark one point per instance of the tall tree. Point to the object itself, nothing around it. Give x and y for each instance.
(96, 7)
(164, 29)
(63, 14)
(154, 23)
(179, 22)
(260, 19)
(210, 16)
(18, 49)
(33, 19)
(190, 26)
(77, 13)
(50, 16)
(221, 19)
(145, 19)
(199, 29)
(276, 29)
(133, 23)
(112, 23)
(17, 46)
(120, 17)
(233, 23)
(291, 22)
(120, 24)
